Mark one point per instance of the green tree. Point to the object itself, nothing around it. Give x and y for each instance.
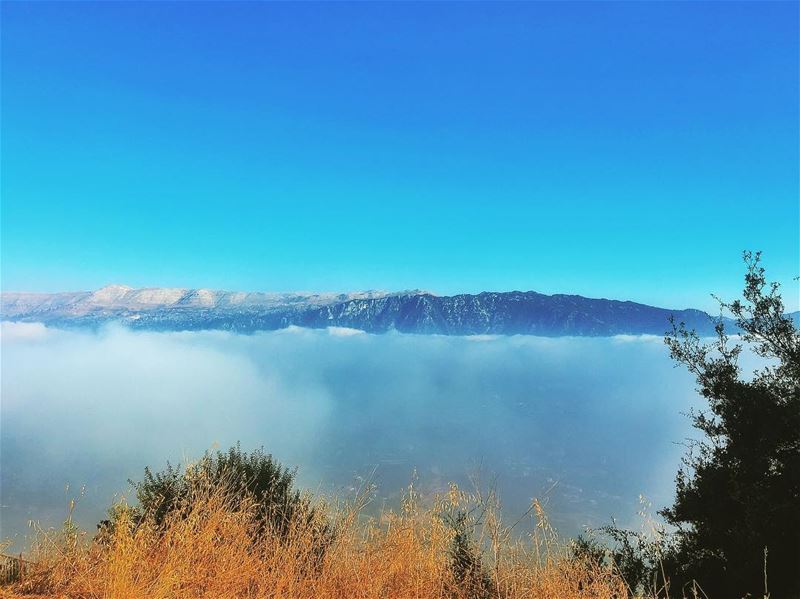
(737, 504)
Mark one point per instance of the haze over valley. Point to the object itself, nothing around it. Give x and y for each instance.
(585, 423)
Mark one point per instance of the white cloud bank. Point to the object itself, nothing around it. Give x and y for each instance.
(601, 416)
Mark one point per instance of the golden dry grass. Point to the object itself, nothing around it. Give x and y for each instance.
(217, 551)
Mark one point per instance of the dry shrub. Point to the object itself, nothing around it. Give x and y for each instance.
(218, 549)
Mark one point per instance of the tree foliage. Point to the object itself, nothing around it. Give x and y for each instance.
(737, 504)
(736, 514)
(245, 476)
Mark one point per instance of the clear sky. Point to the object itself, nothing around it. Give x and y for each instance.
(627, 150)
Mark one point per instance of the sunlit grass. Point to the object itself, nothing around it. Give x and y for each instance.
(219, 548)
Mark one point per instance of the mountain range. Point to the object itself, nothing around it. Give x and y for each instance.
(494, 313)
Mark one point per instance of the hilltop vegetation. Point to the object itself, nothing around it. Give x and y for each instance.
(212, 540)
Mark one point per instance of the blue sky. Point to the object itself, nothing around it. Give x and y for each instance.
(628, 150)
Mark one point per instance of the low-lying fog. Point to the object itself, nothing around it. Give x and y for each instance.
(588, 423)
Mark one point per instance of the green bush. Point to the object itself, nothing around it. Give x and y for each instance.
(253, 477)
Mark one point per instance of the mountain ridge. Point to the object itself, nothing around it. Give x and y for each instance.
(411, 311)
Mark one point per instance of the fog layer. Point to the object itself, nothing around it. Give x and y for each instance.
(590, 423)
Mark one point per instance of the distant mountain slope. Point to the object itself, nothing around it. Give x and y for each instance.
(119, 298)
(507, 313)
